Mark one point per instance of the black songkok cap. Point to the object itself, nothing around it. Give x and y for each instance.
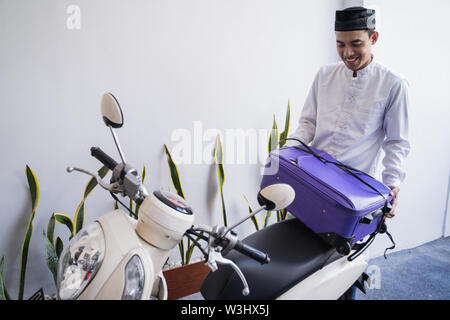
(354, 18)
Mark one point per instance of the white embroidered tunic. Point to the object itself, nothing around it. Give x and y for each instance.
(353, 118)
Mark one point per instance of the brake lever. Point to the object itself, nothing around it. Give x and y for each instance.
(113, 187)
(215, 257)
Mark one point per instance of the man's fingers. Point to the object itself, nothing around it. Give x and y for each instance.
(390, 214)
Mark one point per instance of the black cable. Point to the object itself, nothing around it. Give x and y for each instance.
(199, 235)
(196, 243)
(393, 244)
(307, 147)
(129, 210)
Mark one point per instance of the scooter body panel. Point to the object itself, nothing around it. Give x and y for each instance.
(121, 244)
(328, 283)
(296, 253)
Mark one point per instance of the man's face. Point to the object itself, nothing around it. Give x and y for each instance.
(355, 48)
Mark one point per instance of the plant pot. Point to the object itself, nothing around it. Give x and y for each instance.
(185, 280)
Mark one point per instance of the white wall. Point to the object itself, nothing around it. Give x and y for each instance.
(414, 42)
(228, 64)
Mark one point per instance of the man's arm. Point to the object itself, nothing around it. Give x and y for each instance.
(396, 145)
(307, 123)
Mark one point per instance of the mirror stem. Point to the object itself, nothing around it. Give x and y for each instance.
(242, 220)
(116, 141)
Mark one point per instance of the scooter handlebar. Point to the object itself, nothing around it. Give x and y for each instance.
(98, 153)
(252, 252)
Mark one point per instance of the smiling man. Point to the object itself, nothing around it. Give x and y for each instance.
(357, 107)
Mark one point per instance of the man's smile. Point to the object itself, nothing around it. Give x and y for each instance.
(352, 61)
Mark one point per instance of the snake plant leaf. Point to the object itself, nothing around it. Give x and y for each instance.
(143, 174)
(102, 172)
(284, 214)
(279, 216)
(187, 256)
(266, 218)
(59, 246)
(273, 138)
(131, 206)
(181, 248)
(218, 157)
(50, 257)
(191, 248)
(79, 217)
(255, 222)
(189, 252)
(287, 121)
(3, 292)
(34, 188)
(34, 192)
(174, 174)
(65, 219)
(79, 213)
(51, 229)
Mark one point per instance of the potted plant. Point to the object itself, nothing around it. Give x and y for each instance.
(188, 278)
(34, 193)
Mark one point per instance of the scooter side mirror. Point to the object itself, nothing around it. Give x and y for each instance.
(111, 111)
(276, 196)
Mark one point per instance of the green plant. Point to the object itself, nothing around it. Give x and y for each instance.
(53, 248)
(4, 295)
(218, 157)
(250, 210)
(175, 177)
(276, 140)
(34, 193)
(282, 214)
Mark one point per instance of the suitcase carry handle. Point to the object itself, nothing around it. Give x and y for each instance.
(381, 228)
(372, 216)
(309, 150)
(342, 166)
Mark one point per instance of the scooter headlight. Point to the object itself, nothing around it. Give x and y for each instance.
(79, 261)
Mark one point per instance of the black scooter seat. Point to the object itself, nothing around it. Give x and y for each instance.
(295, 252)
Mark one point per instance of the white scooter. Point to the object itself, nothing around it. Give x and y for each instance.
(117, 257)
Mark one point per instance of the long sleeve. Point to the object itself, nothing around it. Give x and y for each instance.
(396, 145)
(307, 122)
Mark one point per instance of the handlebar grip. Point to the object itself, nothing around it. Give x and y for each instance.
(252, 252)
(98, 153)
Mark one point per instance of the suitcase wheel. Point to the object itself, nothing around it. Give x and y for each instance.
(344, 249)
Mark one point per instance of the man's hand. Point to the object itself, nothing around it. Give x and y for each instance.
(394, 193)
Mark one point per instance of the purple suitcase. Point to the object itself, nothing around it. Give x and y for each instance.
(341, 204)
